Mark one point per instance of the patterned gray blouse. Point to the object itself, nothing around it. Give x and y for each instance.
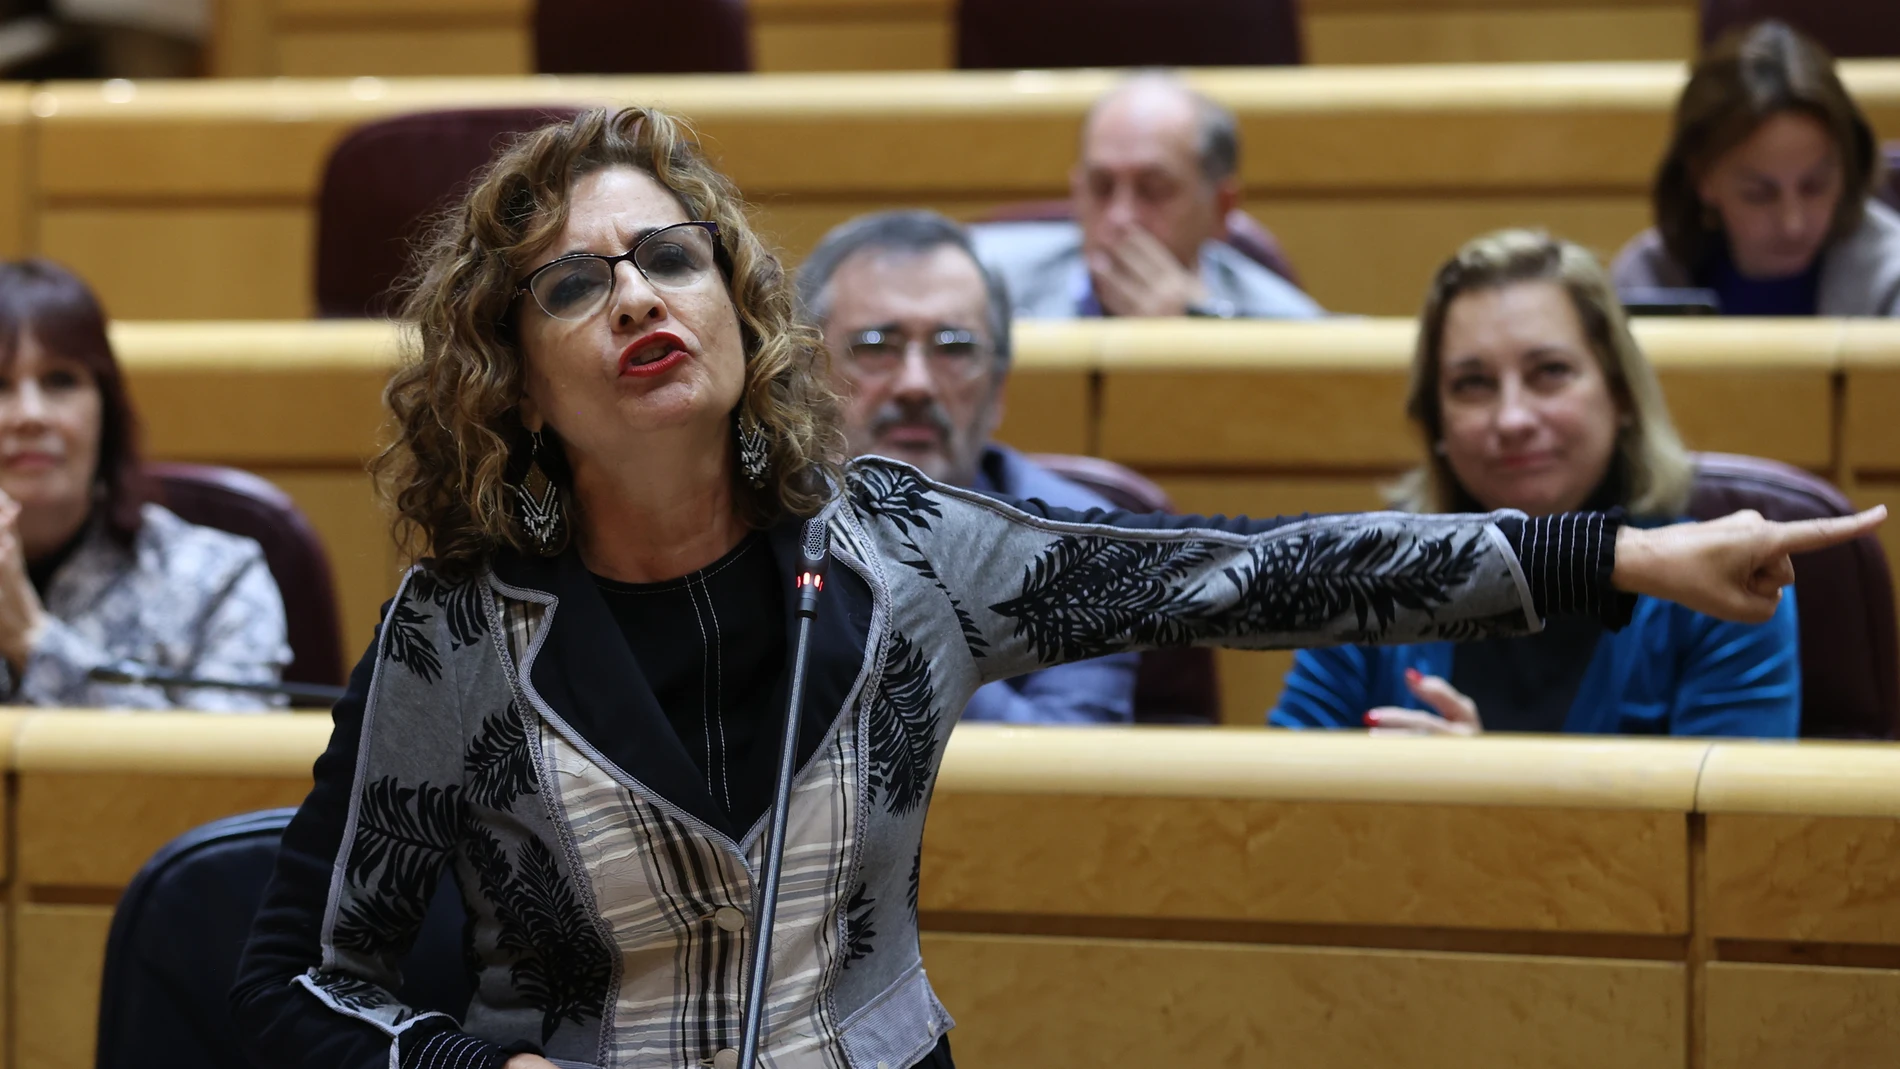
(185, 599)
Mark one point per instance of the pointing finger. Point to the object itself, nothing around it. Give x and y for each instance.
(1806, 536)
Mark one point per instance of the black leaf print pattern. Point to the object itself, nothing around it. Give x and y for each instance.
(405, 832)
(461, 605)
(903, 728)
(901, 497)
(1299, 585)
(1088, 595)
(559, 965)
(1504, 623)
(375, 923)
(858, 931)
(355, 994)
(499, 767)
(407, 644)
(916, 881)
(972, 637)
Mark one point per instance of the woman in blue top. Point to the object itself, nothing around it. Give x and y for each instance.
(1531, 394)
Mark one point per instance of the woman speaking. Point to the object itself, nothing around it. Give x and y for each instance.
(611, 443)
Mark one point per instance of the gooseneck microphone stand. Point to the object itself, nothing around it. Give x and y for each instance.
(301, 695)
(811, 580)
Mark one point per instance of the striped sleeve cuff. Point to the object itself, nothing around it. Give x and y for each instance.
(449, 1048)
(1568, 560)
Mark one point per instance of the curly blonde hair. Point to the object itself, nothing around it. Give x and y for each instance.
(456, 401)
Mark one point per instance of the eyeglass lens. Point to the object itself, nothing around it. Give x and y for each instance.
(950, 354)
(674, 257)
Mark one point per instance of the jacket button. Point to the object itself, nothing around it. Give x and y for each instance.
(729, 920)
(727, 1058)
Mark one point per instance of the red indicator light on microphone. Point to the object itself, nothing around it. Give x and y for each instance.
(807, 579)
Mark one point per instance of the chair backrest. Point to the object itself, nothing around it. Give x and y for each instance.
(993, 34)
(1850, 672)
(614, 36)
(382, 183)
(243, 504)
(180, 927)
(1172, 686)
(1889, 188)
(1245, 233)
(1843, 27)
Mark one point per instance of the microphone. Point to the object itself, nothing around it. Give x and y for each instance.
(811, 568)
(809, 583)
(137, 673)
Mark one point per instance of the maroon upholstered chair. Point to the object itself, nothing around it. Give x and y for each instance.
(1173, 686)
(641, 36)
(993, 34)
(1843, 27)
(243, 504)
(385, 180)
(1245, 233)
(1889, 188)
(1850, 672)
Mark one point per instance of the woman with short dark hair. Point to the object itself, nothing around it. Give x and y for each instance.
(617, 439)
(1764, 195)
(91, 571)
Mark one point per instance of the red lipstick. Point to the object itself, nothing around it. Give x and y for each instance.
(653, 355)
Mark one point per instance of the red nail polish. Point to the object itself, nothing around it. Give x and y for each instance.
(1372, 720)
(1413, 675)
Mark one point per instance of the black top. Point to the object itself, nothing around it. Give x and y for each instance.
(1529, 682)
(712, 647)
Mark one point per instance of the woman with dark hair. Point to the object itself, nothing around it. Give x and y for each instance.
(1530, 393)
(614, 438)
(91, 572)
(1764, 193)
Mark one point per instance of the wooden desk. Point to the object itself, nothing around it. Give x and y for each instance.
(98, 794)
(1251, 418)
(1158, 896)
(304, 38)
(1370, 177)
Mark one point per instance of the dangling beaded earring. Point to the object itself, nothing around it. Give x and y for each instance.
(754, 454)
(540, 500)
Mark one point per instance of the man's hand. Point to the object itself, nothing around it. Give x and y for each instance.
(1136, 275)
(1454, 713)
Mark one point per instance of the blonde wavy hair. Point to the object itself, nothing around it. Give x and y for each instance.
(459, 440)
(1656, 470)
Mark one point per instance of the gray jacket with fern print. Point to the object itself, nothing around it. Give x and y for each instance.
(500, 729)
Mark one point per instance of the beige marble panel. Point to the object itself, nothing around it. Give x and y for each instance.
(59, 955)
(404, 50)
(1030, 1003)
(1585, 33)
(1806, 878)
(1320, 863)
(96, 830)
(1795, 1017)
(228, 262)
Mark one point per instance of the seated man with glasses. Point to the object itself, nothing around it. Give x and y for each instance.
(919, 332)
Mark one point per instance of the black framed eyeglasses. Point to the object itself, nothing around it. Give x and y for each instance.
(951, 354)
(674, 257)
